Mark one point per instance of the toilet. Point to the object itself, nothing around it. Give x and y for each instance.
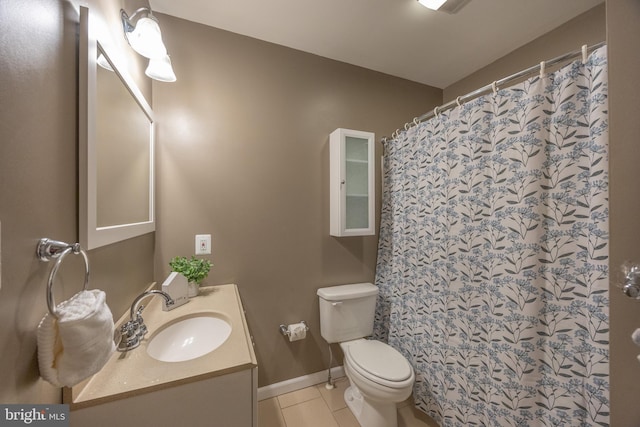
(379, 376)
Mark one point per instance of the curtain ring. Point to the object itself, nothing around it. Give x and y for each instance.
(584, 54)
(494, 86)
(458, 101)
(415, 121)
(406, 126)
(435, 112)
(543, 66)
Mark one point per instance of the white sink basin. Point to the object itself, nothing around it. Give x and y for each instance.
(189, 337)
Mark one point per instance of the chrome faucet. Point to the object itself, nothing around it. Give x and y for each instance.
(132, 332)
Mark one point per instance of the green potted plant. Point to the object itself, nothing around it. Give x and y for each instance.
(194, 269)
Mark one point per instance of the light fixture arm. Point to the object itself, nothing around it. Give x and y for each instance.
(127, 21)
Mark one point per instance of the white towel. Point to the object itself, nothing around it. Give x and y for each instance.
(79, 343)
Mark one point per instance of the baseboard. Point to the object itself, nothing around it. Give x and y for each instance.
(298, 383)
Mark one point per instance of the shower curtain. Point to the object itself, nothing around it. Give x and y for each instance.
(493, 254)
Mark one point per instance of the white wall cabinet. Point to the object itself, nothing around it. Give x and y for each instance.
(352, 183)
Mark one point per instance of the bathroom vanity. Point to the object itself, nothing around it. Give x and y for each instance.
(216, 389)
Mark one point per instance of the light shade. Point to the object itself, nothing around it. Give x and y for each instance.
(146, 39)
(161, 69)
(432, 4)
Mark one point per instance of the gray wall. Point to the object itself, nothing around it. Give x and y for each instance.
(623, 34)
(39, 188)
(38, 168)
(588, 28)
(243, 155)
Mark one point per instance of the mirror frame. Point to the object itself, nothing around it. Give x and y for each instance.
(92, 236)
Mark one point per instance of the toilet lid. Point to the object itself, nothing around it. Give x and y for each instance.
(380, 360)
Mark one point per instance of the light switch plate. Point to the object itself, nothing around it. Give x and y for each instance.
(203, 244)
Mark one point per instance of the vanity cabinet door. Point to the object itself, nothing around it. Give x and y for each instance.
(352, 187)
(228, 400)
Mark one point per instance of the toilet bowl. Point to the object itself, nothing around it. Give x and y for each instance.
(379, 376)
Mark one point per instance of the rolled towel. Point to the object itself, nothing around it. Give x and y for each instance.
(78, 343)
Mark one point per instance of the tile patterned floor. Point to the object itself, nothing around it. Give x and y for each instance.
(318, 407)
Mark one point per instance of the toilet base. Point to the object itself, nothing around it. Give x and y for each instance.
(370, 414)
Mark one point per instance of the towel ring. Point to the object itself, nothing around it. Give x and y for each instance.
(52, 249)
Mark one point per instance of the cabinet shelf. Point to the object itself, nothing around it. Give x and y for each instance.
(352, 183)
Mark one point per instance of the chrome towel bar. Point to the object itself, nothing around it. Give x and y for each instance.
(48, 250)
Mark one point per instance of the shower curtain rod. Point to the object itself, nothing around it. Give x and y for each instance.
(496, 85)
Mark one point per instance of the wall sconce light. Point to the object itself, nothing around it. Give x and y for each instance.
(160, 69)
(143, 34)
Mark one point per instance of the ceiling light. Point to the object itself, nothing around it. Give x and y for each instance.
(432, 4)
(161, 70)
(144, 34)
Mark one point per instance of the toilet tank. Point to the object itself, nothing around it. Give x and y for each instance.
(347, 311)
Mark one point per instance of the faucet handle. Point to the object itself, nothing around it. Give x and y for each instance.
(128, 329)
(128, 336)
(142, 328)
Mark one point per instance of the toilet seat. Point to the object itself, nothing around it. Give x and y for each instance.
(380, 363)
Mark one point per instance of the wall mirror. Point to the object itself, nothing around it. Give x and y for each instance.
(116, 146)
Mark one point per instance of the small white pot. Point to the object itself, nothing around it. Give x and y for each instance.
(193, 289)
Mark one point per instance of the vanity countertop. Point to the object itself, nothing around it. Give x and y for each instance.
(135, 372)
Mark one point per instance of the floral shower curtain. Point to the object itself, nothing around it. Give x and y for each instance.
(493, 254)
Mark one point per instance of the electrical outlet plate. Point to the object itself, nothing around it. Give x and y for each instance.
(203, 244)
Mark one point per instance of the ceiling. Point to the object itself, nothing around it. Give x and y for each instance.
(397, 37)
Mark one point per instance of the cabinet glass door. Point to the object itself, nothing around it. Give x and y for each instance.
(351, 182)
(357, 182)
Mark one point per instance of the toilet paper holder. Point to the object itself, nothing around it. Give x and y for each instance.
(285, 331)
